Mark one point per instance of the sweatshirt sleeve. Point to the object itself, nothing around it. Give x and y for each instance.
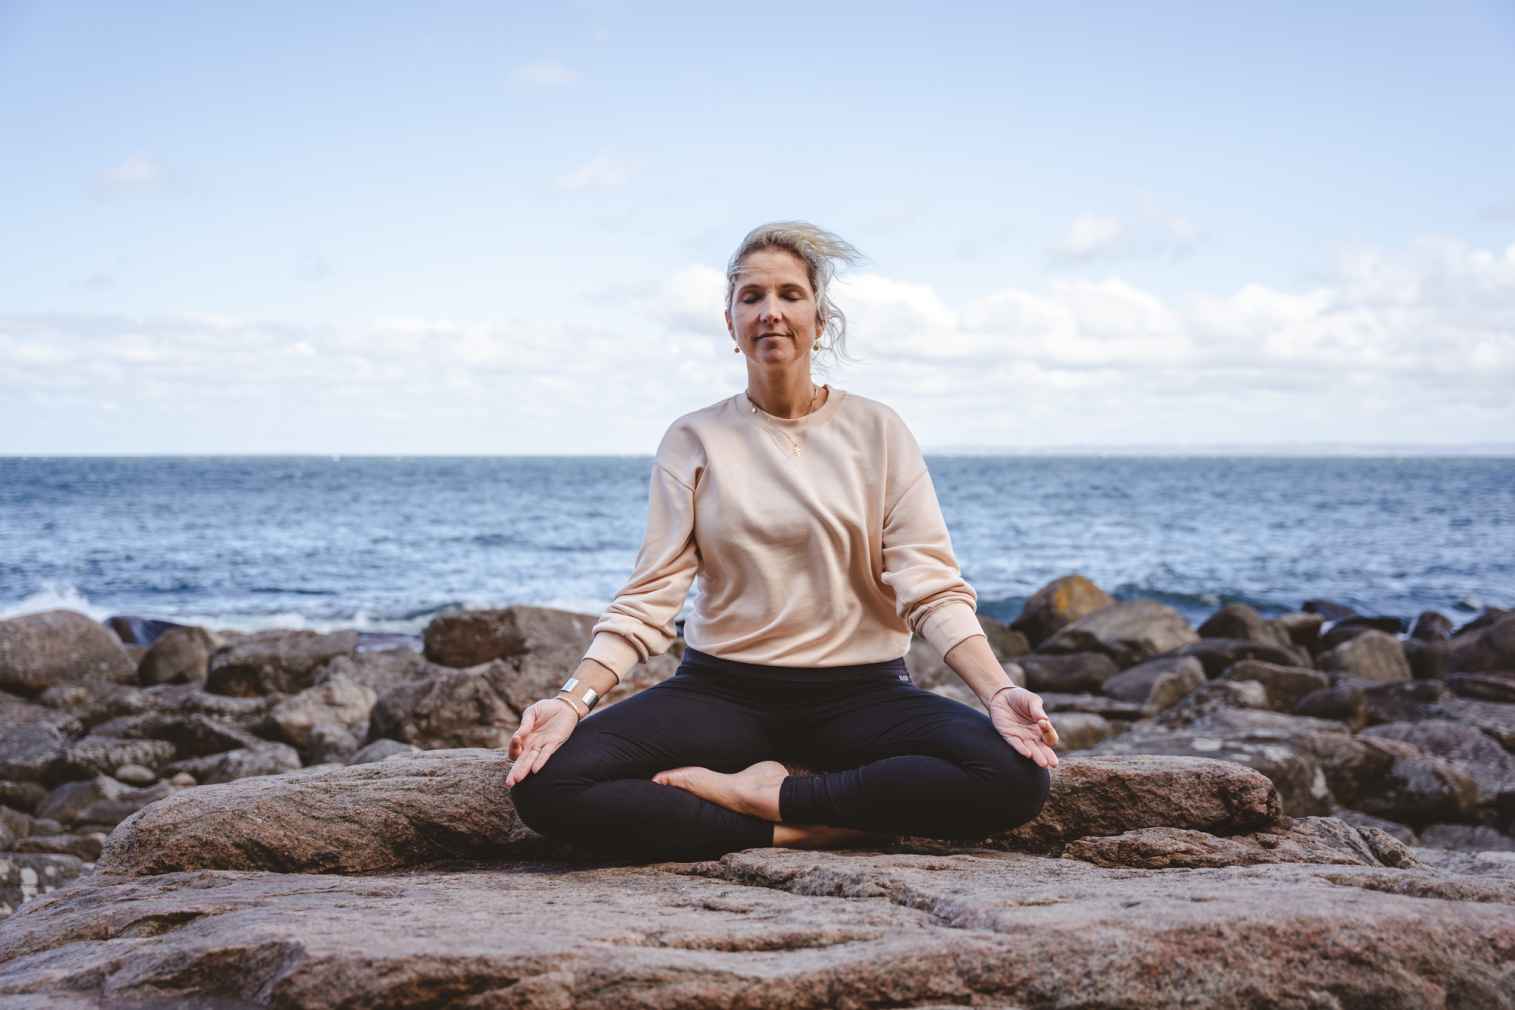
(639, 623)
(919, 565)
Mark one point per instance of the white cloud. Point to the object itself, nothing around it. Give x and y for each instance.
(547, 73)
(602, 172)
(1416, 344)
(1090, 236)
(1149, 233)
(137, 173)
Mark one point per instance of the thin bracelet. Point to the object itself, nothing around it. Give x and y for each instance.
(996, 694)
(576, 717)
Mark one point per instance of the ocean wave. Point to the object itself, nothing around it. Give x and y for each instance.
(54, 596)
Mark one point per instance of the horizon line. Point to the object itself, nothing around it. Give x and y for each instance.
(1482, 449)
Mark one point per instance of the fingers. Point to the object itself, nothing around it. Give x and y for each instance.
(1048, 731)
(1028, 746)
(543, 753)
(535, 755)
(522, 735)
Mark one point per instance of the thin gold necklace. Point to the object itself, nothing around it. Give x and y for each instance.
(794, 447)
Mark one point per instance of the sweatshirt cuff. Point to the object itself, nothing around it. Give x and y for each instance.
(949, 625)
(614, 651)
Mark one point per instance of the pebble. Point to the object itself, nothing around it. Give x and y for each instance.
(136, 775)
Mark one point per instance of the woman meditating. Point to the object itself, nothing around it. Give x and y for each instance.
(809, 518)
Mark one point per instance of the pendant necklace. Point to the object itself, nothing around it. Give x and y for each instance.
(794, 446)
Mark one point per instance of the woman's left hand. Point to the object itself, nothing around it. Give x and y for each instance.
(1021, 720)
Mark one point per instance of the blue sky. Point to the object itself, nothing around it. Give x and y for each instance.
(493, 228)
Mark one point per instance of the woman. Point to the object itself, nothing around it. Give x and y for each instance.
(812, 524)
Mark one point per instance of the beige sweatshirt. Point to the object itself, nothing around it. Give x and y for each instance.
(816, 541)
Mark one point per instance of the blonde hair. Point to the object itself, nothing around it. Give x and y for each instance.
(822, 253)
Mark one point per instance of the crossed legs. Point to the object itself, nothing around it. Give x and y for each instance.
(684, 770)
(902, 761)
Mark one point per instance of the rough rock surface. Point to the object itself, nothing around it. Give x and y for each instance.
(1372, 655)
(1082, 730)
(1237, 620)
(24, 875)
(1302, 629)
(1058, 604)
(275, 662)
(1128, 632)
(263, 758)
(59, 647)
(98, 801)
(1489, 647)
(1218, 654)
(381, 750)
(457, 708)
(1490, 766)
(338, 703)
(1074, 673)
(347, 819)
(102, 755)
(382, 670)
(777, 928)
(1305, 840)
(179, 656)
(1286, 685)
(1110, 795)
(1097, 704)
(191, 735)
(475, 637)
(1494, 685)
(1158, 683)
(98, 703)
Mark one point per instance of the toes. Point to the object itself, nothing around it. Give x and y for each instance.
(680, 777)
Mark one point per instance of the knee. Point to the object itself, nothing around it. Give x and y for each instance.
(538, 800)
(1015, 792)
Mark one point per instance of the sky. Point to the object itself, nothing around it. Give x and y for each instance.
(502, 228)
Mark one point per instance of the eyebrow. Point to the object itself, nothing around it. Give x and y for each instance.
(785, 284)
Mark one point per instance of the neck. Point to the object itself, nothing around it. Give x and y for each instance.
(787, 395)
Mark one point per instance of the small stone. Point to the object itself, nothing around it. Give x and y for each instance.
(183, 780)
(135, 775)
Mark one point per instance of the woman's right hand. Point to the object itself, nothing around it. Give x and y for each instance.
(544, 726)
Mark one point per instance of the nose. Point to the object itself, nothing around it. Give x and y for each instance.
(770, 312)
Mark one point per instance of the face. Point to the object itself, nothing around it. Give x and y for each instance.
(772, 314)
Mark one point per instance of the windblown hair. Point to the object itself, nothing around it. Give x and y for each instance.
(822, 253)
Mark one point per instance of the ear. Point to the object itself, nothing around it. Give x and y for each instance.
(729, 327)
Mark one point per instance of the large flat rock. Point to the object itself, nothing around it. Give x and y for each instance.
(345, 819)
(773, 928)
(1109, 795)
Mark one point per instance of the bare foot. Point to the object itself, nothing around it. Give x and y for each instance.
(821, 836)
(753, 790)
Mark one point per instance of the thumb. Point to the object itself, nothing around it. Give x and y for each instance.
(518, 738)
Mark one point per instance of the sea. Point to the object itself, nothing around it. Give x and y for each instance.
(384, 544)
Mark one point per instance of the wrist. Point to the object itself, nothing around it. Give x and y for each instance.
(1007, 689)
(573, 703)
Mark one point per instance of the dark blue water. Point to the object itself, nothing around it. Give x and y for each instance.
(384, 543)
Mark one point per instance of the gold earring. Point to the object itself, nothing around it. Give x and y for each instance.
(816, 346)
(736, 350)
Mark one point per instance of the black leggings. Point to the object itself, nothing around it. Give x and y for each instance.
(888, 758)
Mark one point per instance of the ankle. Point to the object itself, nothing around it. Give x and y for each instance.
(821, 836)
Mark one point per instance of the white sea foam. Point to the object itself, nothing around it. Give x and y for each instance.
(54, 596)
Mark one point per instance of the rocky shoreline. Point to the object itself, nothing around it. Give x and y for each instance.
(1311, 810)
